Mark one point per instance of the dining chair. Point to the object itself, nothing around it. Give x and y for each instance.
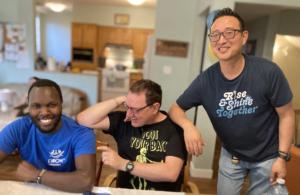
(100, 165)
(188, 185)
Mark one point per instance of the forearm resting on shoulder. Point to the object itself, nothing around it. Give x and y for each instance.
(94, 115)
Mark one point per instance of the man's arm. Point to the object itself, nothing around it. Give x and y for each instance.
(3, 155)
(96, 115)
(80, 180)
(192, 138)
(286, 135)
(167, 171)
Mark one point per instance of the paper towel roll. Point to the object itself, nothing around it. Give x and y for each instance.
(51, 64)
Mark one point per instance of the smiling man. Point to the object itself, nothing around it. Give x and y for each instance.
(55, 150)
(151, 150)
(248, 101)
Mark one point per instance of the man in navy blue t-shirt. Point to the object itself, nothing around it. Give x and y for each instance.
(248, 101)
(55, 150)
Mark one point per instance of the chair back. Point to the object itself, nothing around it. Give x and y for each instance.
(188, 185)
(100, 165)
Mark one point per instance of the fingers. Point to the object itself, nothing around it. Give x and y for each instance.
(127, 118)
(273, 178)
(195, 147)
(103, 148)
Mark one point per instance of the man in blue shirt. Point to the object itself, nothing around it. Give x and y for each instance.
(55, 150)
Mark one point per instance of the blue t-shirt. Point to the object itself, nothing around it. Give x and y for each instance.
(54, 151)
(242, 110)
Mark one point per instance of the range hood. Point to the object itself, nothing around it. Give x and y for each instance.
(118, 56)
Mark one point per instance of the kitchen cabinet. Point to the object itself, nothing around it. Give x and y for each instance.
(84, 35)
(94, 37)
(137, 38)
(135, 76)
(113, 35)
(139, 42)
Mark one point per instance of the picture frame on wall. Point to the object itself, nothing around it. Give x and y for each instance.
(121, 19)
(171, 48)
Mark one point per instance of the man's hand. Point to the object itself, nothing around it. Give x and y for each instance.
(26, 172)
(193, 140)
(278, 170)
(112, 158)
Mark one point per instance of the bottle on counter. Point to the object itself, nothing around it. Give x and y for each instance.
(279, 188)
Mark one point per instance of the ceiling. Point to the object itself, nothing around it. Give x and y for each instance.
(148, 3)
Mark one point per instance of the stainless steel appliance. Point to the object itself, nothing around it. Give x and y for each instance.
(115, 76)
(117, 56)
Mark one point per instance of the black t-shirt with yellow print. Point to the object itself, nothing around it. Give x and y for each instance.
(147, 144)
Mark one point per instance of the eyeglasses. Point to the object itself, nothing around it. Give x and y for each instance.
(227, 34)
(135, 110)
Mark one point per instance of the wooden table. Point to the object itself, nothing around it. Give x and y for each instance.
(23, 188)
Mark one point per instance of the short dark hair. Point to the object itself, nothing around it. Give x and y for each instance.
(152, 90)
(46, 83)
(35, 78)
(229, 12)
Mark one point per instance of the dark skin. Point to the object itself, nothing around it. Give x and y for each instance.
(45, 108)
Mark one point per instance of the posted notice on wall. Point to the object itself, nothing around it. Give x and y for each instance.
(15, 45)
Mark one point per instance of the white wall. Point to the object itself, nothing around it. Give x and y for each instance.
(104, 15)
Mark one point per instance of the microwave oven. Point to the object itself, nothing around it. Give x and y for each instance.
(79, 54)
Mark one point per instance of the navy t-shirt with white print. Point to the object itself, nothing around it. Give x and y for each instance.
(242, 110)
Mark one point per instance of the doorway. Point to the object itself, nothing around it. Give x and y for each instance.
(286, 54)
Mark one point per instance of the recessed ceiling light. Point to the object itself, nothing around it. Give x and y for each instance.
(56, 7)
(136, 2)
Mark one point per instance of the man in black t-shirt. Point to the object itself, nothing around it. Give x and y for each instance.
(248, 101)
(151, 151)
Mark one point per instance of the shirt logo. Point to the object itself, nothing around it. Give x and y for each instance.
(56, 158)
(235, 103)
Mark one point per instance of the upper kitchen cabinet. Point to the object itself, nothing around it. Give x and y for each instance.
(139, 42)
(113, 35)
(84, 46)
(137, 38)
(84, 35)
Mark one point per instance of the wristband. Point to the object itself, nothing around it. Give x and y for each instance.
(38, 180)
(284, 155)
